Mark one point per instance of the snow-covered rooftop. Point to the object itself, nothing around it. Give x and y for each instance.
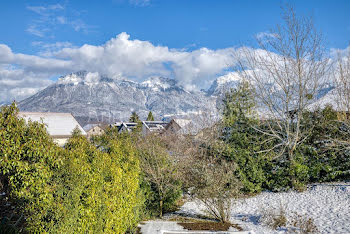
(58, 124)
(182, 122)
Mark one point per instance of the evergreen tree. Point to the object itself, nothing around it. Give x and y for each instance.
(150, 116)
(239, 105)
(239, 117)
(134, 118)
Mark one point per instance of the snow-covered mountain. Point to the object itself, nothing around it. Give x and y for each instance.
(223, 84)
(326, 95)
(91, 98)
(3, 104)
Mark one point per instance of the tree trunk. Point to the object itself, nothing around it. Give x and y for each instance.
(161, 208)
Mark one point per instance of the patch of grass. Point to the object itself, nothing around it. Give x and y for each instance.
(209, 226)
(201, 222)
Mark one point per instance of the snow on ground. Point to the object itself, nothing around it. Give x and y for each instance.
(327, 204)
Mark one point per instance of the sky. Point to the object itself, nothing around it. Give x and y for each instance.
(191, 41)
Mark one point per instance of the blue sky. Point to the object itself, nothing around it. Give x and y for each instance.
(172, 23)
(187, 40)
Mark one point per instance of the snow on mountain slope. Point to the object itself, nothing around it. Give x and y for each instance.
(223, 84)
(93, 98)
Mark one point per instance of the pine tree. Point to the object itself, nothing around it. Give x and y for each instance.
(150, 116)
(134, 118)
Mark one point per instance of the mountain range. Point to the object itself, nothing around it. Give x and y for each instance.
(108, 100)
(93, 98)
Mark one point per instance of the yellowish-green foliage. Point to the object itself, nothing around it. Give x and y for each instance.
(78, 189)
(28, 159)
(102, 194)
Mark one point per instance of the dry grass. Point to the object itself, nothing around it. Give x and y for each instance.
(210, 226)
(303, 224)
(203, 223)
(294, 222)
(274, 218)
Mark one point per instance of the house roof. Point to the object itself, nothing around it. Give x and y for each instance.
(155, 126)
(88, 127)
(58, 124)
(182, 122)
(128, 126)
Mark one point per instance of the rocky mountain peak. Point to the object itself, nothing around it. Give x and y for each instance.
(94, 98)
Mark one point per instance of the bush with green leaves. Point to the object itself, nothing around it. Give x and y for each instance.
(78, 189)
(327, 148)
(239, 117)
(29, 160)
(99, 187)
(323, 155)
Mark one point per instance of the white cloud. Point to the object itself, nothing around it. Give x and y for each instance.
(265, 35)
(33, 29)
(118, 57)
(47, 49)
(51, 16)
(16, 84)
(61, 19)
(140, 3)
(121, 56)
(44, 10)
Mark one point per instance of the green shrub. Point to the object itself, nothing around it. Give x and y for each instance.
(99, 189)
(79, 189)
(322, 155)
(242, 140)
(28, 162)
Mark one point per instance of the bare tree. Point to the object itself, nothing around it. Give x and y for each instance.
(211, 181)
(158, 167)
(206, 173)
(287, 70)
(342, 82)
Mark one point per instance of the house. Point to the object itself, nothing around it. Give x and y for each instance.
(153, 127)
(147, 126)
(59, 125)
(178, 126)
(94, 129)
(125, 127)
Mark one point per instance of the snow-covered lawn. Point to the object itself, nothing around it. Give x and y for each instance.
(327, 204)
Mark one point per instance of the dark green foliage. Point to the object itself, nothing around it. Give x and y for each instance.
(150, 116)
(134, 118)
(328, 146)
(152, 199)
(322, 156)
(239, 117)
(239, 105)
